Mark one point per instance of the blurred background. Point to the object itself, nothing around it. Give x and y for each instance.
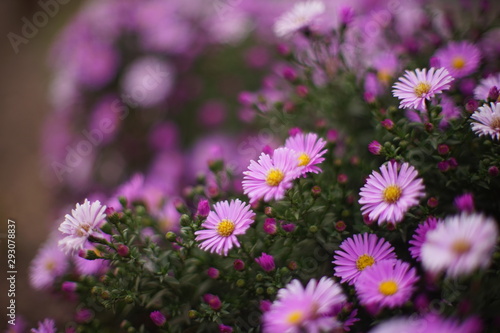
(24, 105)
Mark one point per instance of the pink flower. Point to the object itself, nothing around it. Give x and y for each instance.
(486, 121)
(482, 90)
(420, 234)
(309, 149)
(49, 264)
(223, 224)
(459, 58)
(388, 195)
(300, 16)
(415, 87)
(389, 283)
(266, 262)
(358, 253)
(270, 178)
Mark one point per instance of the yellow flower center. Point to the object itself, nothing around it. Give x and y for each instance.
(295, 317)
(364, 261)
(304, 159)
(50, 265)
(458, 62)
(384, 76)
(388, 288)
(83, 230)
(495, 123)
(422, 88)
(274, 177)
(461, 246)
(392, 193)
(225, 228)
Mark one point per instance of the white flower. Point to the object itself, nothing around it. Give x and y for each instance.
(301, 15)
(487, 121)
(81, 224)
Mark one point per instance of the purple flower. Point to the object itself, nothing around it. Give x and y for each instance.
(486, 121)
(358, 253)
(482, 90)
(375, 147)
(309, 149)
(297, 307)
(419, 236)
(49, 264)
(46, 326)
(266, 262)
(223, 224)
(459, 58)
(415, 87)
(389, 283)
(388, 195)
(203, 208)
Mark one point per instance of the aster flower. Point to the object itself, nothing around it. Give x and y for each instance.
(419, 236)
(46, 326)
(459, 58)
(430, 323)
(300, 16)
(358, 253)
(83, 222)
(482, 90)
(486, 121)
(297, 309)
(309, 149)
(266, 261)
(388, 195)
(415, 87)
(269, 178)
(460, 244)
(48, 264)
(389, 283)
(223, 224)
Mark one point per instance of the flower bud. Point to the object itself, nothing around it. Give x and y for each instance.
(465, 203)
(471, 105)
(225, 329)
(69, 286)
(443, 149)
(387, 124)
(203, 208)
(493, 171)
(340, 226)
(269, 211)
(122, 250)
(294, 131)
(493, 94)
(316, 191)
(213, 301)
(302, 91)
(266, 261)
(432, 202)
(158, 318)
(213, 273)
(185, 220)
(375, 147)
(239, 265)
(171, 236)
(270, 226)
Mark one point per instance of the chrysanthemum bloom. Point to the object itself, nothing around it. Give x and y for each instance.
(389, 283)
(46, 326)
(309, 149)
(269, 178)
(227, 220)
(459, 58)
(415, 87)
(460, 245)
(297, 309)
(420, 234)
(486, 121)
(83, 222)
(266, 262)
(358, 253)
(48, 264)
(482, 90)
(300, 16)
(388, 195)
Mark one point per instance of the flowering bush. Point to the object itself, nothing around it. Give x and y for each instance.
(358, 192)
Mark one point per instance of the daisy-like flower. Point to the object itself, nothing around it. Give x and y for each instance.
(415, 87)
(269, 178)
(300, 16)
(358, 253)
(83, 222)
(430, 323)
(419, 236)
(309, 149)
(46, 326)
(388, 195)
(389, 283)
(459, 58)
(487, 121)
(482, 90)
(305, 310)
(460, 245)
(49, 264)
(223, 224)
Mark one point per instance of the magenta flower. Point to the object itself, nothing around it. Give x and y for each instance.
(460, 245)
(358, 253)
(270, 178)
(388, 195)
(49, 264)
(419, 236)
(309, 149)
(83, 222)
(486, 121)
(415, 87)
(227, 220)
(310, 309)
(459, 58)
(46, 326)
(465, 203)
(389, 283)
(482, 90)
(266, 262)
